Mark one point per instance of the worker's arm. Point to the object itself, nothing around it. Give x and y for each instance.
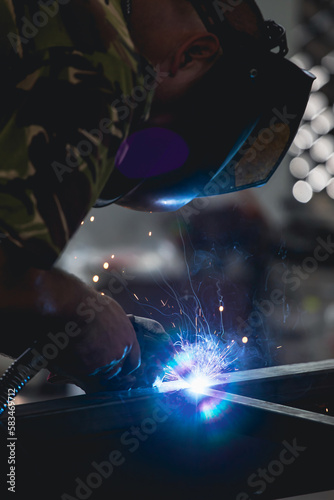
(59, 310)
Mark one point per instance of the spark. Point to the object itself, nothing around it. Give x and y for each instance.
(136, 296)
(96, 278)
(92, 218)
(106, 265)
(221, 308)
(150, 233)
(200, 363)
(113, 256)
(244, 340)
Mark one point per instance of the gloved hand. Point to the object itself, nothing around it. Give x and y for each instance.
(105, 347)
(156, 349)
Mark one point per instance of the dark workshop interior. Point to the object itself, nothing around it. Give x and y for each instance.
(253, 269)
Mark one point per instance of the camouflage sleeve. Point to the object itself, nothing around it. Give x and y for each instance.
(63, 116)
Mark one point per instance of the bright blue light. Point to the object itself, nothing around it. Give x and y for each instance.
(157, 382)
(212, 410)
(201, 363)
(198, 384)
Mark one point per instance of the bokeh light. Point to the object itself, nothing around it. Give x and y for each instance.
(212, 409)
(317, 103)
(328, 62)
(318, 178)
(299, 167)
(322, 149)
(323, 123)
(302, 192)
(330, 189)
(322, 77)
(305, 137)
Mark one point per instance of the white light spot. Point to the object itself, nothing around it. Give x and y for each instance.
(322, 77)
(305, 138)
(294, 151)
(318, 178)
(302, 60)
(197, 384)
(299, 168)
(96, 278)
(328, 62)
(322, 149)
(302, 192)
(330, 165)
(317, 103)
(323, 123)
(330, 189)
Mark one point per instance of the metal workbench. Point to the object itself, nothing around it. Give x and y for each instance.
(177, 453)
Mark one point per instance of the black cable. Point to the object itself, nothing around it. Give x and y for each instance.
(23, 369)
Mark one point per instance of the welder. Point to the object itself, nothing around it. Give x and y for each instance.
(140, 103)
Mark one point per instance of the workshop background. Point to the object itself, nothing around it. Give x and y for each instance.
(257, 266)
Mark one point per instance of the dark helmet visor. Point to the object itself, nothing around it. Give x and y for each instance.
(231, 131)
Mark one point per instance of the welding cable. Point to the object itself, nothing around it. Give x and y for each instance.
(23, 369)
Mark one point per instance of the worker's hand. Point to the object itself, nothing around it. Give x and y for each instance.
(105, 348)
(156, 350)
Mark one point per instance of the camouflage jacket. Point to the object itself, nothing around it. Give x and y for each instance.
(72, 84)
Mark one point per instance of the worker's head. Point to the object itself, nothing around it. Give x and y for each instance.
(172, 35)
(226, 113)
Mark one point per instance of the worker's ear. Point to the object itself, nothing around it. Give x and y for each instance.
(188, 64)
(195, 53)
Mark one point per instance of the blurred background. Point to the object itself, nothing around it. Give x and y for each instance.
(248, 265)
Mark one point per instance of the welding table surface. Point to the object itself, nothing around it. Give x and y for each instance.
(294, 385)
(189, 454)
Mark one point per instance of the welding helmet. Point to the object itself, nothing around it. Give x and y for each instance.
(232, 131)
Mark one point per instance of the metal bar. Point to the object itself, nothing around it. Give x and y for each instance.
(73, 433)
(278, 384)
(267, 406)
